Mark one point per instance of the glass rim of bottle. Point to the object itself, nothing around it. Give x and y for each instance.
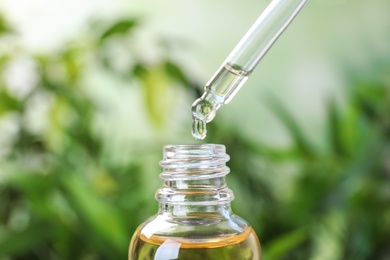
(194, 161)
(193, 150)
(194, 174)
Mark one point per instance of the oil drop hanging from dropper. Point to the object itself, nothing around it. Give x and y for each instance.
(234, 71)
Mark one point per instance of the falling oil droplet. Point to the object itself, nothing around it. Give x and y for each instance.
(199, 129)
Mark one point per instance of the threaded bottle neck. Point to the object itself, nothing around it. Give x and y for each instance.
(194, 175)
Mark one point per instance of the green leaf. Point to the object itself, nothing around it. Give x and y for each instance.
(70, 59)
(176, 73)
(25, 240)
(4, 26)
(301, 141)
(8, 102)
(159, 96)
(334, 130)
(139, 70)
(119, 28)
(101, 219)
(283, 244)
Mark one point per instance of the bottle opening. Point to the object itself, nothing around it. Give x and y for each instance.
(188, 151)
(194, 175)
(194, 162)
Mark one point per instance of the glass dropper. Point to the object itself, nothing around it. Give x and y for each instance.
(234, 71)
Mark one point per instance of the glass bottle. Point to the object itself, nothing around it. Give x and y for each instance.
(194, 219)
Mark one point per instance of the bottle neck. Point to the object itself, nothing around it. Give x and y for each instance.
(194, 181)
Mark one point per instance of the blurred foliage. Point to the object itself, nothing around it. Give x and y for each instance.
(63, 197)
(336, 205)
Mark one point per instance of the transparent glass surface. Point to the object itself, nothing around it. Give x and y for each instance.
(194, 220)
(237, 67)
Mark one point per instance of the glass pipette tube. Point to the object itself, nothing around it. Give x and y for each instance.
(234, 71)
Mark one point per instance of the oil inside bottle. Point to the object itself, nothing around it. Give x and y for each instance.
(244, 246)
(218, 91)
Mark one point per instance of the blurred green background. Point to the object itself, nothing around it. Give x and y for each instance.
(90, 92)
